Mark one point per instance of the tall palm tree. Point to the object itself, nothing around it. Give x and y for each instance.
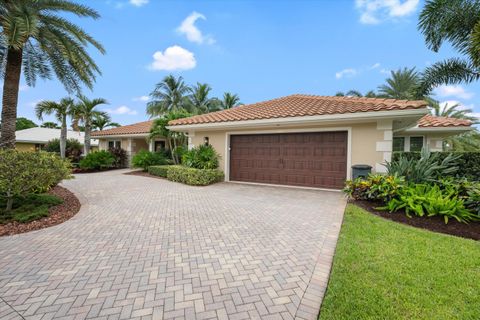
(402, 84)
(35, 35)
(84, 111)
(168, 95)
(50, 125)
(199, 101)
(458, 22)
(103, 121)
(61, 110)
(454, 110)
(230, 100)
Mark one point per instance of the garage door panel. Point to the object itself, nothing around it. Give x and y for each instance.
(302, 159)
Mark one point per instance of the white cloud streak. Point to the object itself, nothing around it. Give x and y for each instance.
(377, 11)
(121, 110)
(191, 31)
(454, 91)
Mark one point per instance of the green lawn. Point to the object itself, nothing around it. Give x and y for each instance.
(32, 207)
(386, 270)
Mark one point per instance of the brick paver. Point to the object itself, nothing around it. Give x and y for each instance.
(143, 248)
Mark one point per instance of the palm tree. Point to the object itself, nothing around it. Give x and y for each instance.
(84, 111)
(102, 121)
(356, 93)
(230, 100)
(451, 111)
(457, 22)
(36, 35)
(50, 125)
(402, 84)
(168, 95)
(61, 110)
(199, 101)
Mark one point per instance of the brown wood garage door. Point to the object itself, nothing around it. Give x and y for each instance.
(316, 159)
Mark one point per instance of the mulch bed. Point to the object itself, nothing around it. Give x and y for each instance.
(436, 223)
(78, 170)
(143, 174)
(57, 214)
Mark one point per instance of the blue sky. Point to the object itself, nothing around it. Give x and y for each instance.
(257, 49)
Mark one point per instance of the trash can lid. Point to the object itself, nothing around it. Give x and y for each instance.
(361, 166)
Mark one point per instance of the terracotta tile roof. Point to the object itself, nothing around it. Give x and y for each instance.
(429, 121)
(136, 128)
(299, 106)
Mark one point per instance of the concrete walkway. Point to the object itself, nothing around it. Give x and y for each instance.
(145, 248)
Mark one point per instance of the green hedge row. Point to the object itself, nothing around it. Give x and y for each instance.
(186, 175)
(468, 163)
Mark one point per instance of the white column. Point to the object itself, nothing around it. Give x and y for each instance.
(191, 145)
(384, 146)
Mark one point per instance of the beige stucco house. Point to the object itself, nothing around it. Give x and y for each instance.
(303, 140)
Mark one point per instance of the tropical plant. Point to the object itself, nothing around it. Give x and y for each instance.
(428, 168)
(73, 149)
(99, 160)
(455, 110)
(201, 157)
(24, 123)
(102, 121)
(193, 176)
(168, 95)
(120, 157)
(430, 200)
(35, 36)
(61, 110)
(374, 187)
(175, 140)
(50, 125)
(144, 159)
(458, 22)
(198, 101)
(402, 84)
(230, 100)
(84, 111)
(356, 94)
(159, 171)
(22, 173)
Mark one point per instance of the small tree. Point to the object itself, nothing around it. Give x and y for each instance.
(22, 173)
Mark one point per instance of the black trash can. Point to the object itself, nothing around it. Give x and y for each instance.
(361, 171)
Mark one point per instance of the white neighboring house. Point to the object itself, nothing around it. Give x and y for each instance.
(35, 139)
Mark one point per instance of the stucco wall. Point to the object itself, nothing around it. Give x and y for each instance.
(366, 138)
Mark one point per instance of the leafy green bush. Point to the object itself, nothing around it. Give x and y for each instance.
(424, 199)
(73, 151)
(160, 171)
(468, 163)
(28, 208)
(99, 160)
(193, 176)
(120, 157)
(201, 157)
(428, 168)
(22, 173)
(374, 187)
(144, 159)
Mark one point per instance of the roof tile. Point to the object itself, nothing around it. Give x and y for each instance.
(429, 121)
(136, 128)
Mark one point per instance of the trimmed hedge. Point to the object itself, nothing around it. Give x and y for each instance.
(160, 171)
(468, 163)
(186, 175)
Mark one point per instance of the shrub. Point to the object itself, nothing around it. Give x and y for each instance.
(193, 176)
(468, 163)
(430, 200)
(201, 157)
(73, 150)
(22, 173)
(374, 187)
(120, 156)
(99, 160)
(428, 168)
(160, 171)
(144, 159)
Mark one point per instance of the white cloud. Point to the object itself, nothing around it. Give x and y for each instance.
(23, 87)
(173, 58)
(376, 11)
(190, 30)
(453, 91)
(141, 98)
(450, 103)
(375, 66)
(138, 3)
(348, 73)
(121, 110)
(385, 71)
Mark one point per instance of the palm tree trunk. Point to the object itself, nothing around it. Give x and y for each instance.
(63, 136)
(10, 98)
(88, 129)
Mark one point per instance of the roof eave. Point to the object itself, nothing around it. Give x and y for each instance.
(373, 115)
(451, 129)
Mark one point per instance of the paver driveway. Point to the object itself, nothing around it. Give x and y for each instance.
(144, 248)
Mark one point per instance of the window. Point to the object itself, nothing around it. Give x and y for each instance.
(416, 144)
(159, 146)
(114, 144)
(399, 144)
